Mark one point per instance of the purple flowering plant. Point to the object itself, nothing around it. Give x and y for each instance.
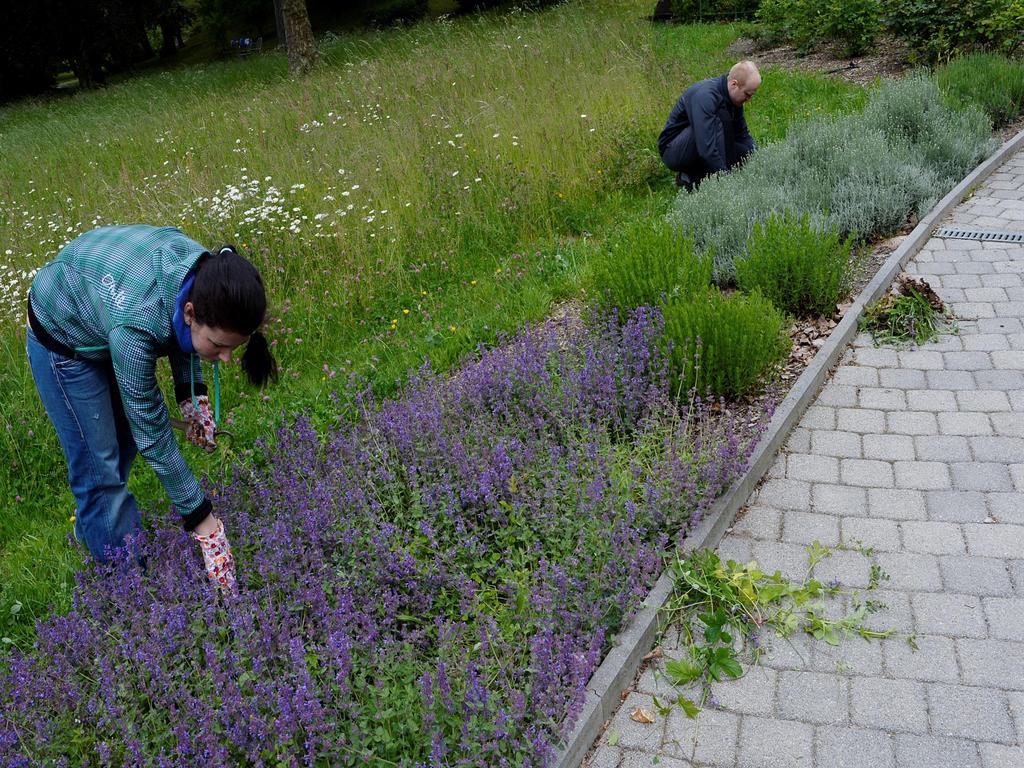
(430, 582)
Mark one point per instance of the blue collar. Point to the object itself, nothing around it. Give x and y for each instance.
(181, 329)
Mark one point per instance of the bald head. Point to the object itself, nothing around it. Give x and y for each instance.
(743, 81)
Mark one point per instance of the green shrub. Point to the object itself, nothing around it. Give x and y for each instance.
(723, 344)
(713, 10)
(646, 262)
(990, 82)
(865, 174)
(797, 21)
(390, 12)
(938, 30)
(854, 23)
(801, 269)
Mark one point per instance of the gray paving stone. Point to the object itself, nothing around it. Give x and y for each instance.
(880, 535)
(911, 423)
(775, 744)
(752, 694)
(794, 652)
(785, 494)
(839, 499)
(967, 361)
(978, 476)
(710, 739)
(908, 571)
(1006, 507)
(644, 759)
(931, 400)
(1012, 360)
(999, 379)
(936, 538)
(1001, 756)
(897, 504)
(790, 559)
(632, 734)
(866, 473)
(922, 475)
(882, 399)
(1011, 424)
(970, 712)
(962, 281)
(861, 420)
(991, 663)
(1017, 712)
(986, 342)
(983, 400)
(604, 757)
(833, 443)
(966, 424)
(858, 375)
(837, 396)
(777, 469)
(934, 659)
(952, 615)
(805, 466)
(758, 522)
(1017, 475)
(799, 440)
(736, 548)
(973, 575)
(837, 747)
(1005, 617)
(807, 527)
(850, 569)
(995, 540)
(954, 380)
(895, 705)
(899, 378)
(876, 358)
(935, 752)
(921, 360)
(956, 506)
(1016, 568)
(854, 656)
(946, 448)
(819, 417)
(813, 697)
(1001, 325)
(889, 447)
(1004, 450)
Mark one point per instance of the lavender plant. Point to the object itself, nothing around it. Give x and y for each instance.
(430, 583)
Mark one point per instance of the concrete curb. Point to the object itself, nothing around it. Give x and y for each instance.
(622, 662)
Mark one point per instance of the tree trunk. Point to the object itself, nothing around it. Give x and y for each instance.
(282, 36)
(298, 36)
(170, 31)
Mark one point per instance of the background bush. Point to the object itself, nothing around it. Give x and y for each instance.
(866, 173)
(801, 269)
(713, 10)
(723, 344)
(937, 30)
(992, 83)
(645, 262)
(854, 24)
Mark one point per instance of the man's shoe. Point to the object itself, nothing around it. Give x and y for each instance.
(683, 180)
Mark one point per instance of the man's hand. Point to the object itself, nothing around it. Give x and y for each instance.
(201, 428)
(220, 565)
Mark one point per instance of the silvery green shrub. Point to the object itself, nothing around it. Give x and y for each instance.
(863, 174)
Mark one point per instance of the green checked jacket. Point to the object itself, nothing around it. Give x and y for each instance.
(110, 294)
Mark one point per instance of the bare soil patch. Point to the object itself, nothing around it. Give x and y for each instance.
(888, 59)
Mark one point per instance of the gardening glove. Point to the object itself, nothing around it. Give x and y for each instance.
(220, 565)
(201, 427)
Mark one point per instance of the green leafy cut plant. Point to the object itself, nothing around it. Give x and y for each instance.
(802, 269)
(912, 312)
(723, 608)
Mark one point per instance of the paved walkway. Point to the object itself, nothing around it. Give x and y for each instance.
(920, 455)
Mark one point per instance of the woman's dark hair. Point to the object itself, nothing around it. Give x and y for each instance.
(228, 293)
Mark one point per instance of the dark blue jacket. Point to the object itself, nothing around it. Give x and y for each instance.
(719, 128)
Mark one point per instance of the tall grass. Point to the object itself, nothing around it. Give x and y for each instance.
(424, 190)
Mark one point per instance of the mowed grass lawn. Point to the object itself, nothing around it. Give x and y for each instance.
(423, 191)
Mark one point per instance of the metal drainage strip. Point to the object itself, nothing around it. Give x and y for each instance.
(981, 234)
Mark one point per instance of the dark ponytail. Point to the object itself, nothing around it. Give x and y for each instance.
(228, 293)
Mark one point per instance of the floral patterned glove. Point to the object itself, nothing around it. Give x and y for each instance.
(220, 565)
(201, 427)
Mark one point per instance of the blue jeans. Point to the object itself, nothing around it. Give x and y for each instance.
(83, 402)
